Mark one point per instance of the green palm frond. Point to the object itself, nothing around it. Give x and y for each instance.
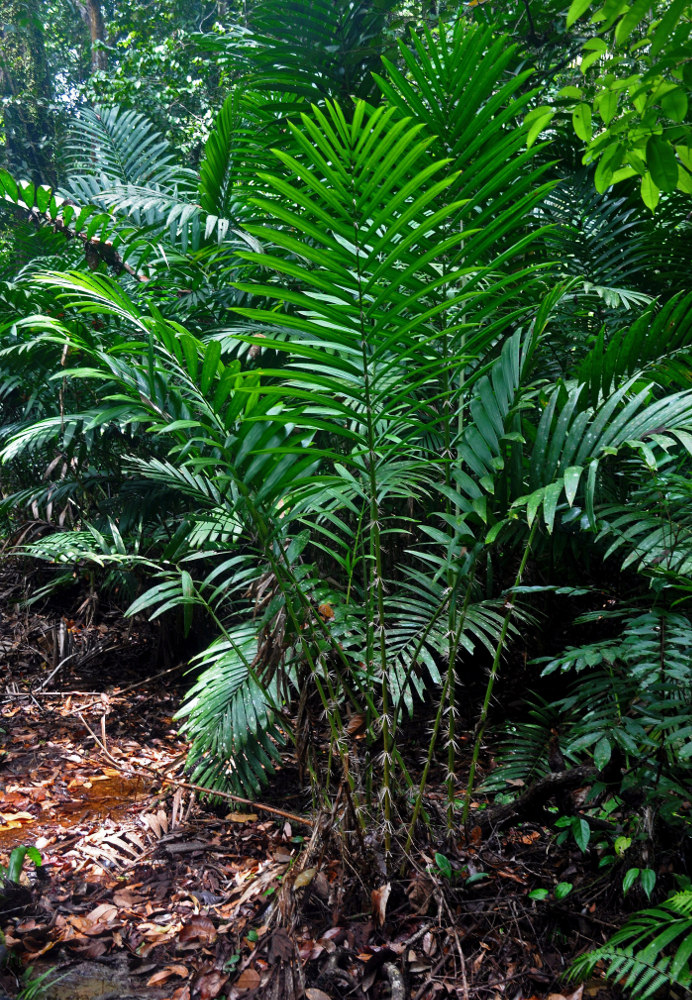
(459, 89)
(657, 346)
(572, 439)
(90, 223)
(122, 146)
(593, 236)
(652, 950)
(654, 530)
(522, 755)
(639, 687)
(316, 48)
(230, 719)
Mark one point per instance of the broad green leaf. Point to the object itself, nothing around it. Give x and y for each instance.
(582, 833)
(607, 105)
(537, 120)
(572, 92)
(684, 180)
(538, 894)
(629, 22)
(443, 864)
(663, 31)
(684, 154)
(647, 877)
(674, 104)
(602, 753)
(631, 876)
(650, 193)
(603, 177)
(533, 505)
(637, 162)
(576, 10)
(552, 495)
(621, 845)
(623, 174)
(594, 49)
(581, 120)
(571, 478)
(660, 158)
(211, 362)
(494, 532)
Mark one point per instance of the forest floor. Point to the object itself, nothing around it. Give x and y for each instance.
(145, 893)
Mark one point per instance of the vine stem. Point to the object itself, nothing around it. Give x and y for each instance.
(483, 718)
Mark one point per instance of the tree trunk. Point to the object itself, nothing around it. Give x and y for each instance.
(93, 15)
(26, 84)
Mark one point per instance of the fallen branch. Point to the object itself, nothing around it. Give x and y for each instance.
(95, 250)
(530, 803)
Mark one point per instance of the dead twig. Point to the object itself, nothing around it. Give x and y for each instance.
(148, 680)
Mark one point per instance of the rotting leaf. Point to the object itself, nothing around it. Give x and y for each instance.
(379, 899)
(280, 947)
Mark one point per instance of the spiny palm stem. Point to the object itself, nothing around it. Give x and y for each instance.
(499, 649)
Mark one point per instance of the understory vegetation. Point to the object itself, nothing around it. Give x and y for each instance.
(382, 404)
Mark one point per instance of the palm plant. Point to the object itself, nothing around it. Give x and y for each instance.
(333, 500)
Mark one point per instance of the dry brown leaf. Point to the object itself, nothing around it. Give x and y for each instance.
(13, 824)
(281, 946)
(568, 996)
(106, 911)
(356, 725)
(198, 928)
(126, 897)
(304, 878)
(429, 944)
(420, 893)
(379, 899)
(312, 993)
(242, 817)
(33, 955)
(164, 974)
(210, 984)
(248, 980)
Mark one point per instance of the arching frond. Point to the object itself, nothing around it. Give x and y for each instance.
(122, 146)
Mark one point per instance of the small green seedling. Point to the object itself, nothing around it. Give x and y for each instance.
(647, 880)
(13, 872)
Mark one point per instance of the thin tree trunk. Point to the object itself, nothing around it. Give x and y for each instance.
(93, 14)
(25, 80)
